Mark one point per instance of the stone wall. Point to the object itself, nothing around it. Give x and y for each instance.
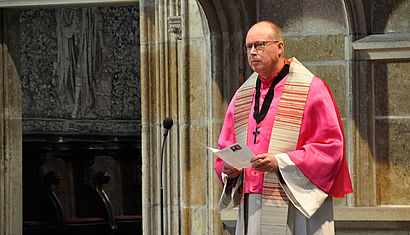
(382, 114)
(392, 132)
(389, 16)
(392, 109)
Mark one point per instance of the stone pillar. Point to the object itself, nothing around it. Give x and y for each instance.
(191, 64)
(10, 127)
(175, 82)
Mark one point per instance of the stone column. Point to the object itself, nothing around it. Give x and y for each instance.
(191, 64)
(175, 82)
(10, 127)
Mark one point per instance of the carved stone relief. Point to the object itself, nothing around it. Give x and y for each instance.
(79, 65)
(79, 60)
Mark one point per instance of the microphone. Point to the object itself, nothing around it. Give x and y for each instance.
(168, 122)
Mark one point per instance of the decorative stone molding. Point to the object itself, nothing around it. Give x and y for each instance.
(394, 46)
(356, 17)
(174, 26)
(69, 126)
(164, 93)
(62, 3)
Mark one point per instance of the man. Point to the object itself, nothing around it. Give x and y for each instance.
(289, 119)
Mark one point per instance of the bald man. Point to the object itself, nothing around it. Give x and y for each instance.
(289, 120)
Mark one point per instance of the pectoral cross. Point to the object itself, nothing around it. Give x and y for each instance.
(255, 133)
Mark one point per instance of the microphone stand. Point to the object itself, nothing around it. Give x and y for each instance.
(162, 183)
(167, 125)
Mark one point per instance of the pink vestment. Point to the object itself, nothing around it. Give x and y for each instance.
(320, 150)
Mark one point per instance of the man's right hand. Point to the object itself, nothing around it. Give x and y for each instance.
(231, 171)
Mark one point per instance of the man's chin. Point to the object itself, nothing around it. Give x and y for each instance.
(253, 65)
(255, 68)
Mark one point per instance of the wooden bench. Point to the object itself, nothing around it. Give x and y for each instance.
(45, 215)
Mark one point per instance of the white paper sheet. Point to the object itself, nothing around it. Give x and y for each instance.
(238, 155)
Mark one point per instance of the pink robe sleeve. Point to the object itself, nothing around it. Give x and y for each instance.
(227, 136)
(320, 154)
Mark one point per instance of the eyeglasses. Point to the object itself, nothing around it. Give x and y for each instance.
(259, 46)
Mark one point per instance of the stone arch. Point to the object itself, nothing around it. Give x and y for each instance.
(356, 16)
(228, 23)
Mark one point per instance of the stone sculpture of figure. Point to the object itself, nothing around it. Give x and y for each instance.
(90, 58)
(67, 54)
(77, 75)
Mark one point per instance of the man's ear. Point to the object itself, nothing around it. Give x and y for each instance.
(281, 46)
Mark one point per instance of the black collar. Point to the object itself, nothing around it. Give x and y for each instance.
(269, 97)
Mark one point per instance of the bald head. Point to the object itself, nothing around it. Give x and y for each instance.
(270, 28)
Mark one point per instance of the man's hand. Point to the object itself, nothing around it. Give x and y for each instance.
(231, 171)
(265, 162)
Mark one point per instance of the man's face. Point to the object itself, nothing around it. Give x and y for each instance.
(264, 61)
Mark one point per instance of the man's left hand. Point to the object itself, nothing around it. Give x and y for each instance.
(265, 162)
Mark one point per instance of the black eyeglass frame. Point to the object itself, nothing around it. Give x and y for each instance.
(259, 46)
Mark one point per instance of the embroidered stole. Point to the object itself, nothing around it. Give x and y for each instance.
(284, 138)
